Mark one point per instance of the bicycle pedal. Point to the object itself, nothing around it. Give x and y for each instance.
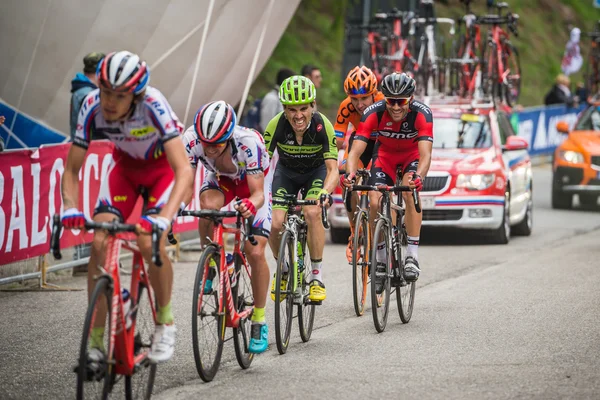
(314, 303)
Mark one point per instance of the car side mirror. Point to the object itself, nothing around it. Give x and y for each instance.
(515, 143)
(562, 127)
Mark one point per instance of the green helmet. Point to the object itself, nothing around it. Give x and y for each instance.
(297, 90)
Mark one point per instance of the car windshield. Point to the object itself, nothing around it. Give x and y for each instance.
(467, 132)
(590, 120)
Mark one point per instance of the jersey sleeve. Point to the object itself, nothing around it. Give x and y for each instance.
(254, 150)
(90, 107)
(342, 119)
(270, 140)
(330, 150)
(162, 115)
(424, 126)
(190, 141)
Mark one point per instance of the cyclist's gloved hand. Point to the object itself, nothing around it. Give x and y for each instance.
(246, 207)
(348, 179)
(328, 199)
(73, 219)
(418, 182)
(145, 223)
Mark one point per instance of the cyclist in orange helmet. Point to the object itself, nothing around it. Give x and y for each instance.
(361, 87)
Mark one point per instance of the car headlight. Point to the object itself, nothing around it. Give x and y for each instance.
(475, 181)
(571, 156)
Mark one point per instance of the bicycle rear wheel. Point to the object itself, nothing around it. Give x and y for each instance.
(306, 310)
(96, 379)
(244, 299)
(284, 297)
(208, 321)
(405, 293)
(360, 262)
(141, 383)
(511, 87)
(380, 303)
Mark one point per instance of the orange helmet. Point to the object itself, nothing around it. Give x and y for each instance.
(361, 81)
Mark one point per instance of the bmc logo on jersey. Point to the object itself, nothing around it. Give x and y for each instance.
(423, 107)
(398, 135)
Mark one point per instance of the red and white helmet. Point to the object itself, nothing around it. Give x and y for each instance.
(214, 122)
(124, 72)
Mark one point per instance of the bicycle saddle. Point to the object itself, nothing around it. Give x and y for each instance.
(502, 5)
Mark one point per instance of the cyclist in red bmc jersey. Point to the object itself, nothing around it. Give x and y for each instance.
(405, 140)
(147, 161)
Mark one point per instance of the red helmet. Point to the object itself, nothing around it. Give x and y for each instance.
(124, 72)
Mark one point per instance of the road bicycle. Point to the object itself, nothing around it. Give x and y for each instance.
(291, 289)
(465, 66)
(390, 271)
(593, 65)
(361, 246)
(128, 330)
(431, 76)
(501, 71)
(387, 49)
(222, 297)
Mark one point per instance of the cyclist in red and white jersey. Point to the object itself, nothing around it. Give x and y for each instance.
(140, 123)
(236, 162)
(405, 139)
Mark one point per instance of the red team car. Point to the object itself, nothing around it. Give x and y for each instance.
(480, 176)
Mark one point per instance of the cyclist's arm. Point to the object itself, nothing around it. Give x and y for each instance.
(341, 123)
(424, 125)
(333, 176)
(367, 125)
(70, 178)
(256, 186)
(190, 142)
(184, 177)
(270, 141)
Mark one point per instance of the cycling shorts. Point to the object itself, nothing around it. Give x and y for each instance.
(366, 156)
(128, 179)
(385, 164)
(286, 181)
(238, 188)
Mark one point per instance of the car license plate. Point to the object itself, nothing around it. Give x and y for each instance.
(427, 202)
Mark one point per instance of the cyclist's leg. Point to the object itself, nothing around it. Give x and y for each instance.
(212, 197)
(413, 222)
(316, 233)
(283, 183)
(260, 273)
(159, 182)
(116, 199)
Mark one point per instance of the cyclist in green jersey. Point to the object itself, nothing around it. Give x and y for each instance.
(306, 145)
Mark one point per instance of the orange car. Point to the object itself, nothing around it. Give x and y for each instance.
(576, 162)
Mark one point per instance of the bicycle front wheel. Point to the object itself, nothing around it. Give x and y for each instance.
(306, 310)
(511, 87)
(244, 299)
(208, 321)
(284, 296)
(96, 378)
(360, 262)
(380, 302)
(405, 293)
(141, 383)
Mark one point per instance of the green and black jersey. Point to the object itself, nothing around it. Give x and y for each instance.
(318, 143)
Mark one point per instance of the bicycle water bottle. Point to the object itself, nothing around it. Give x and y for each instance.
(231, 269)
(126, 307)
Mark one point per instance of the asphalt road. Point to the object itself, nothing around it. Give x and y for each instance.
(490, 321)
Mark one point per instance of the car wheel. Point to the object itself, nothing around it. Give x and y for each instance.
(560, 200)
(502, 234)
(339, 235)
(588, 200)
(524, 227)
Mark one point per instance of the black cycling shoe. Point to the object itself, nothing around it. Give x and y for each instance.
(380, 278)
(411, 269)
